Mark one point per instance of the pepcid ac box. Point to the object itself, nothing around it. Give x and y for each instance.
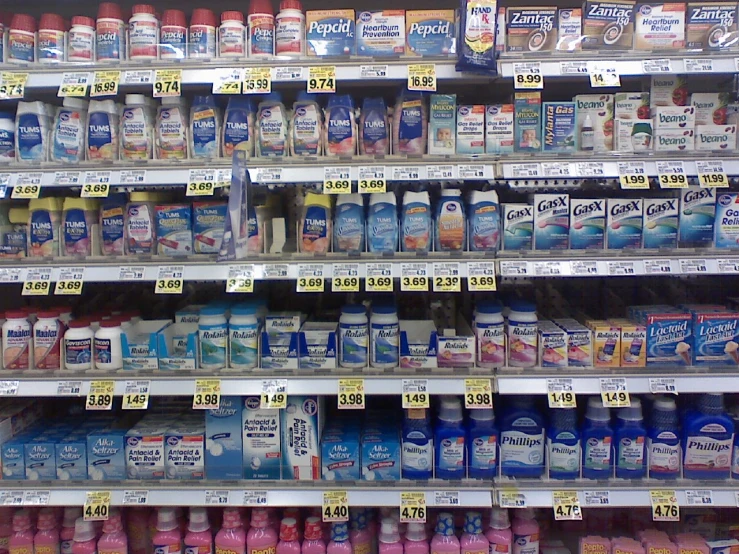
(329, 33)
(430, 32)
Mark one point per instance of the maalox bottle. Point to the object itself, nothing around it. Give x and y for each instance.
(597, 441)
(522, 439)
(630, 442)
(563, 444)
(663, 440)
(449, 440)
(708, 436)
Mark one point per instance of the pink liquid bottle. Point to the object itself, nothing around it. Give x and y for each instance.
(261, 539)
(296, 515)
(6, 528)
(472, 540)
(67, 533)
(359, 535)
(499, 533)
(289, 543)
(21, 541)
(137, 527)
(445, 541)
(389, 539)
(46, 540)
(525, 532)
(339, 540)
(231, 538)
(114, 539)
(313, 542)
(167, 539)
(85, 541)
(415, 539)
(199, 538)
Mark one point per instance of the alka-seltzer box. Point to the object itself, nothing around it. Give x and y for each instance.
(430, 33)
(261, 439)
(669, 339)
(697, 215)
(471, 129)
(527, 117)
(559, 127)
(587, 223)
(660, 222)
(674, 117)
(569, 29)
(600, 109)
(551, 221)
(710, 107)
(608, 25)
(340, 455)
(499, 129)
(518, 226)
(674, 140)
(659, 26)
(329, 33)
(301, 424)
(381, 33)
(223, 440)
(716, 339)
(668, 90)
(531, 29)
(711, 26)
(624, 222)
(715, 137)
(106, 455)
(726, 224)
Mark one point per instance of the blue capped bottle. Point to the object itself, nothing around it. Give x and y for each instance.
(663, 440)
(597, 441)
(563, 444)
(522, 439)
(630, 441)
(449, 440)
(482, 445)
(417, 455)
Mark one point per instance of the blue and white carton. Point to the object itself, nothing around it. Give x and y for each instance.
(716, 338)
(697, 215)
(329, 33)
(224, 458)
(726, 225)
(106, 455)
(381, 455)
(518, 226)
(340, 459)
(184, 451)
(660, 222)
(669, 339)
(139, 345)
(71, 458)
(40, 454)
(551, 221)
(624, 223)
(261, 439)
(587, 223)
(301, 425)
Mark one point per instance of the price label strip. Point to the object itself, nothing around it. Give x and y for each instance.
(274, 394)
(415, 394)
(201, 182)
(337, 180)
(345, 278)
(228, 81)
(633, 175)
(257, 80)
(38, 282)
(703, 497)
(478, 394)
(447, 277)
(664, 505)
(207, 394)
(412, 507)
(603, 75)
(216, 497)
(136, 395)
(560, 393)
(73, 85)
(100, 396)
(11, 498)
(310, 278)
(97, 506)
(335, 507)
(372, 179)
(597, 498)
(255, 498)
(481, 277)
(446, 498)
(351, 394)
(135, 497)
(36, 498)
(414, 277)
(379, 277)
(614, 393)
(12, 85)
(566, 506)
(322, 79)
(662, 385)
(240, 279)
(167, 82)
(422, 77)
(70, 282)
(170, 279)
(527, 76)
(671, 175)
(27, 186)
(711, 174)
(105, 83)
(511, 499)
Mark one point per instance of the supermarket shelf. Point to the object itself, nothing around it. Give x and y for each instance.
(619, 493)
(278, 493)
(578, 64)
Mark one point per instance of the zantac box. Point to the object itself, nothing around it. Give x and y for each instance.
(430, 33)
(381, 33)
(329, 33)
(711, 26)
(608, 25)
(531, 29)
(301, 426)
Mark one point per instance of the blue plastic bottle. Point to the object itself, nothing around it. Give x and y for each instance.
(630, 441)
(708, 436)
(522, 439)
(418, 445)
(597, 441)
(663, 440)
(735, 451)
(563, 444)
(482, 445)
(449, 435)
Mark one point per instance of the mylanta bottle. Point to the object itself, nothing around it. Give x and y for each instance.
(630, 438)
(451, 225)
(102, 130)
(306, 126)
(708, 436)
(238, 126)
(449, 440)
(415, 222)
(417, 445)
(272, 127)
(597, 441)
(483, 217)
(349, 223)
(205, 128)
(374, 128)
(341, 127)
(663, 440)
(68, 138)
(563, 444)
(382, 223)
(172, 129)
(482, 444)
(522, 439)
(32, 132)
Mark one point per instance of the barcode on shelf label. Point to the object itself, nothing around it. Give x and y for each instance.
(590, 169)
(136, 498)
(406, 173)
(584, 268)
(276, 271)
(657, 66)
(662, 385)
(288, 74)
(137, 77)
(698, 65)
(36, 498)
(555, 169)
(597, 498)
(573, 68)
(439, 172)
(131, 273)
(550, 269)
(8, 388)
(446, 498)
(133, 176)
(728, 265)
(514, 269)
(511, 499)
(269, 175)
(216, 498)
(621, 268)
(10, 275)
(372, 71)
(699, 266)
(11, 498)
(67, 178)
(525, 171)
(703, 497)
(255, 498)
(69, 388)
(471, 172)
(657, 267)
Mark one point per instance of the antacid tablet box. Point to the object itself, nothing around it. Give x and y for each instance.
(531, 29)
(608, 25)
(381, 33)
(430, 32)
(569, 29)
(659, 26)
(329, 32)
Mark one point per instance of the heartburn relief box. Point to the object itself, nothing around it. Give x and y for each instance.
(659, 26)
(559, 128)
(381, 33)
(430, 32)
(329, 33)
(608, 25)
(569, 29)
(531, 29)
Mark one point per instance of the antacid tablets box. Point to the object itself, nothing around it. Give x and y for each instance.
(381, 33)
(608, 25)
(531, 29)
(430, 32)
(261, 439)
(329, 33)
(659, 26)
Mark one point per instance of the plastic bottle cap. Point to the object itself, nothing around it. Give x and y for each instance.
(143, 8)
(313, 530)
(499, 517)
(167, 519)
(663, 403)
(84, 530)
(339, 532)
(260, 7)
(353, 309)
(110, 323)
(451, 409)
(389, 530)
(52, 22)
(415, 532)
(445, 524)
(198, 520)
(259, 518)
(525, 513)
(380, 309)
(203, 16)
(174, 18)
(48, 314)
(632, 413)
(75, 103)
(232, 16)
(289, 529)
(596, 410)
(15, 314)
(71, 513)
(109, 10)
(23, 22)
(46, 520)
(5, 18)
(135, 99)
(291, 5)
(83, 20)
(485, 414)
(473, 523)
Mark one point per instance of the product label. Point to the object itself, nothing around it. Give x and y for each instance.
(47, 345)
(261, 35)
(237, 132)
(519, 449)
(143, 38)
(411, 128)
(484, 225)
(172, 133)
(597, 454)
(77, 352)
(168, 548)
(213, 345)
(526, 544)
(631, 453)
(340, 139)
(708, 454)
(135, 136)
(416, 227)
(385, 338)
(102, 137)
(289, 33)
(69, 136)
(353, 344)
(306, 130)
(43, 234)
(31, 138)
(417, 457)
(484, 453)
(202, 41)
(173, 42)
(110, 36)
(111, 229)
(16, 346)
(243, 345)
(382, 228)
(664, 458)
(330, 33)
(76, 233)
(374, 131)
(272, 128)
(231, 40)
(7, 144)
(430, 33)
(204, 134)
(490, 344)
(522, 343)
(21, 46)
(51, 45)
(103, 351)
(140, 229)
(451, 454)
(349, 228)
(563, 457)
(80, 47)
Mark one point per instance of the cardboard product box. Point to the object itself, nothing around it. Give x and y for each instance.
(659, 26)
(608, 25)
(559, 127)
(633, 135)
(674, 117)
(711, 26)
(674, 140)
(715, 137)
(710, 107)
(569, 29)
(631, 105)
(531, 29)
(600, 109)
(668, 90)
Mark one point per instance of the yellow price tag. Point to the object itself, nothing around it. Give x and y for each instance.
(335, 506)
(412, 507)
(605, 79)
(12, 85)
(614, 393)
(378, 284)
(240, 284)
(136, 395)
(422, 77)
(310, 284)
(634, 181)
(528, 81)
(447, 284)
(67, 91)
(322, 79)
(351, 394)
(68, 287)
(345, 284)
(415, 394)
(713, 180)
(105, 83)
(167, 82)
(95, 190)
(207, 394)
(25, 192)
(229, 87)
(664, 505)
(200, 188)
(36, 288)
(563, 399)
(673, 181)
(257, 80)
(566, 506)
(478, 394)
(481, 284)
(337, 186)
(274, 400)
(97, 506)
(100, 396)
(169, 286)
(414, 284)
(367, 186)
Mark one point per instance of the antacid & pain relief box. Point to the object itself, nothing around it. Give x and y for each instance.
(329, 33)
(381, 33)
(260, 430)
(531, 29)
(430, 32)
(301, 424)
(608, 25)
(659, 26)
(711, 26)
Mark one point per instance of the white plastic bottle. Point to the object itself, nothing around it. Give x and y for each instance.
(384, 337)
(102, 130)
(489, 335)
(70, 125)
(78, 345)
(172, 128)
(143, 33)
(107, 345)
(522, 334)
(243, 338)
(213, 334)
(290, 30)
(47, 340)
(137, 129)
(353, 336)
(17, 353)
(81, 40)
(261, 32)
(232, 35)
(32, 132)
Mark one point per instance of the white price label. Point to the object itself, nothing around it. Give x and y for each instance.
(8, 388)
(228, 81)
(373, 72)
(439, 172)
(662, 385)
(10, 275)
(597, 498)
(135, 497)
(276, 271)
(555, 169)
(133, 176)
(590, 169)
(446, 498)
(143, 77)
(415, 394)
(550, 269)
(702, 497)
(619, 269)
(525, 171)
(36, 498)
(584, 268)
(603, 74)
(216, 498)
(693, 266)
(131, 273)
(514, 269)
(728, 265)
(255, 498)
(11, 498)
(288, 74)
(657, 66)
(511, 499)
(698, 65)
(269, 175)
(69, 388)
(67, 178)
(406, 173)
(472, 172)
(657, 267)
(573, 68)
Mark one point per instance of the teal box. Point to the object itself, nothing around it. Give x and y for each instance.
(527, 121)
(559, 130)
